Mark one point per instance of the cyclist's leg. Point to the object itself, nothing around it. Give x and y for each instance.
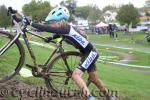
(94, 77)
(100, 85)
(97, 81)
(76, 76)
(85, 62)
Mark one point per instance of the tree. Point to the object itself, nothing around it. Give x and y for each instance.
(38, 10)
(147, 13)
(95, 15)
(4, 19)
(128, 14)
(147, 3)
(147, 8)
(109, 7)
(83, 11)
(71, 5)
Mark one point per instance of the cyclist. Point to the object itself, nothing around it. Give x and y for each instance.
(58, 24)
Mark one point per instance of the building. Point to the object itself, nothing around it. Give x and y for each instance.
(82, 23)
(110, 16)
(144, 18)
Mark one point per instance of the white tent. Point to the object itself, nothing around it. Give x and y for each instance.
(102, 24)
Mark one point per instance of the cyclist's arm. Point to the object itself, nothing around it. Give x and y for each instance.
(55, 36)
(52, 29)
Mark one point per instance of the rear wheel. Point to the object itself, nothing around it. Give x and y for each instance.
(12, 59)
(60, 70)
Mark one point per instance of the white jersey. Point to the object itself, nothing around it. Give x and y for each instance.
(78, 37)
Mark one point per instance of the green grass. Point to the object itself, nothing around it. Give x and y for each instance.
(131, 83)
(139, 48)
(138, 42)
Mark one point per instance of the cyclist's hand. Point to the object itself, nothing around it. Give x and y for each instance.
(11, 11)
(26, 20)
(48, 39)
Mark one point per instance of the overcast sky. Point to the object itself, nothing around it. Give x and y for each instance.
(17, 4)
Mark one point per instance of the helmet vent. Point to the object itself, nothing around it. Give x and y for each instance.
(59, 8)
(53, 12)
(59, 14)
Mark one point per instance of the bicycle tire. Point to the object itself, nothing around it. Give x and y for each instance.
(51, 81)
(15, 67)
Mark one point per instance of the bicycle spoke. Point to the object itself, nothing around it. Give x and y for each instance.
(59, 74)
(75, 62)
(11, 60)
(56, 74)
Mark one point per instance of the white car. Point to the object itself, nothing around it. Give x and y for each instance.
(8, 30)
(3, 29)
(142, 27)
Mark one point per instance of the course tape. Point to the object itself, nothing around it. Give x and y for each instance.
(129, 65)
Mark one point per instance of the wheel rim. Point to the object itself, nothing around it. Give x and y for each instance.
(10, 61)
(60, 83)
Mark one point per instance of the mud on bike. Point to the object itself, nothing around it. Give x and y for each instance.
(57, 69)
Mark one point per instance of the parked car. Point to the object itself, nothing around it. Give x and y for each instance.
(2, 29)
(142, 27)
(122, 27)
(8, 30)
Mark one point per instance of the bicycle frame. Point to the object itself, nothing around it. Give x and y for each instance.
(23, 32)
(8, 45)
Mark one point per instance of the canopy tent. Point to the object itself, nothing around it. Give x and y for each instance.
(101, 24)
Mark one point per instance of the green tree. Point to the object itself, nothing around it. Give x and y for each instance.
(83, 11)
(147, 3)
(147, 8)
(95, 15)
(147, 13)
(109, 7)
(4, 19)
(71, 5)
(128, 14)
(38, 10)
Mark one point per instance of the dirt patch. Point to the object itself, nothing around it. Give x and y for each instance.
(17, 90)
(144, 71)
(126, 57)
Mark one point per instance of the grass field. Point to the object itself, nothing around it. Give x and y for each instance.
(131, 83)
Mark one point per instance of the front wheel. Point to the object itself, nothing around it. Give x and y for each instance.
(60, 70)
(12, 59)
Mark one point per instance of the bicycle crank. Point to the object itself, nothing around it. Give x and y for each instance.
(36, 71)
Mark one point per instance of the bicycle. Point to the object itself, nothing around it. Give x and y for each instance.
(56, 71)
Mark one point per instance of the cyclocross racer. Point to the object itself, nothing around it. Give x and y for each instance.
(58, 24)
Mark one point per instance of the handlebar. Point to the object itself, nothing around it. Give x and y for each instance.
(13, 13)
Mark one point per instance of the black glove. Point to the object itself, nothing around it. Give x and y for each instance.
(26, 20)
(12, 11)
(48, 39)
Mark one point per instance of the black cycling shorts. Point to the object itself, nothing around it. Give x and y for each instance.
(88, 61)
